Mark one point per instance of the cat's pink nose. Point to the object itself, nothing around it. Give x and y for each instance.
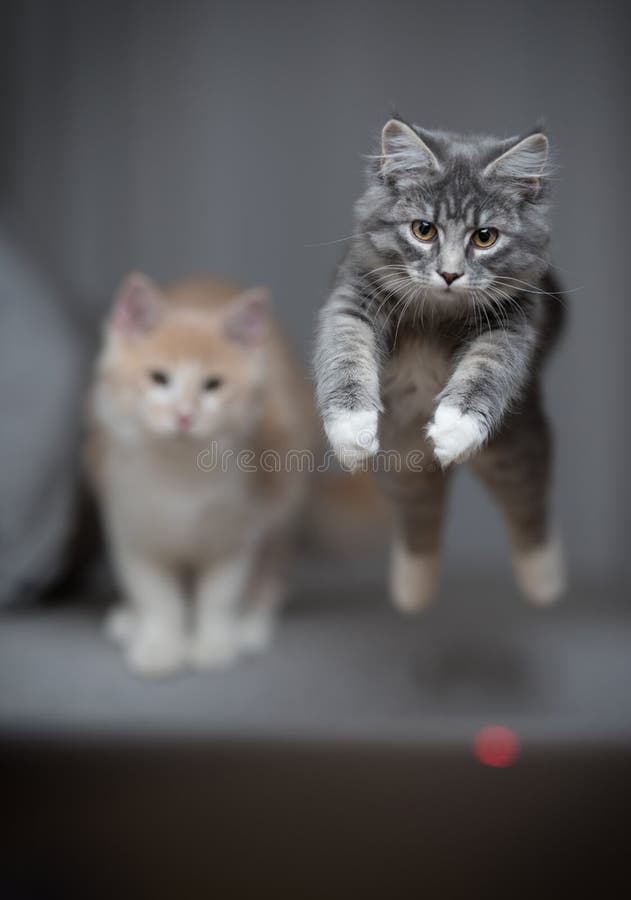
(184, 420)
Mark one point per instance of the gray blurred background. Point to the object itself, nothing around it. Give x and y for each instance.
(228, 138)
(182, 137)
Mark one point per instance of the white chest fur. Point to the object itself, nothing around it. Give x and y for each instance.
(167, 504)
(413, 378)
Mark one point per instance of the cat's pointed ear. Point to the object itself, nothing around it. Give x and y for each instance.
(525, 161)
(249, 317)
(402, 149)
(138, 305)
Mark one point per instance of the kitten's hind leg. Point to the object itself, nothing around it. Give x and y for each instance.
(515, 467)
(540, 572)
(418, 497)
(414, 576)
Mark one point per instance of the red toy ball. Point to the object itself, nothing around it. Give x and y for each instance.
(496, 746)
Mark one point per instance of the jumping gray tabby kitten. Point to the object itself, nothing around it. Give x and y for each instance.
(433, 339)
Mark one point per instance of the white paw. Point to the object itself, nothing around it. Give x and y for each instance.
(541, 573)
(413, 579)
(256, 630)
(353, 435)
(215, 648)
(455, 435)
(119, 624)
(154, 651)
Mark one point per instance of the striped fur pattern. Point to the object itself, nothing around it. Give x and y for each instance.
(436, 345)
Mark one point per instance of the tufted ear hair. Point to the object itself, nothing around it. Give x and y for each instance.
(526, 160)
(138, 305)
(248, 318)
(402, 149)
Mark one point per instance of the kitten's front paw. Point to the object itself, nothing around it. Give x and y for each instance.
(119, 624)
(455, 435)
(214, 648)
(153, 652)
(353, 435)
(255, 631)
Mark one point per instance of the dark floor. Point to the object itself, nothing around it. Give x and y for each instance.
(340, 764)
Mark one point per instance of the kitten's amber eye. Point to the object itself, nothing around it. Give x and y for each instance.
(484, 237)
(212, 383)
(159, 377)
(424, 231)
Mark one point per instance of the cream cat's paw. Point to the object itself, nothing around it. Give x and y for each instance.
(215, 648)
(455, 435)
(353, 435)
(413, 579)
(154, 652)
(541, 573)
(256, 631)
(119, 624)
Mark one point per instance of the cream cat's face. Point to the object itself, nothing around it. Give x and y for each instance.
(188, 397)
(178, 372)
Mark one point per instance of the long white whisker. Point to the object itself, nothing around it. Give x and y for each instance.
(401, 301)
(413, 298)
(390, 290)
(500, 297)
(529, 288)
(338, 240)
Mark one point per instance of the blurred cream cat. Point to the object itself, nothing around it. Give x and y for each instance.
(196, 364)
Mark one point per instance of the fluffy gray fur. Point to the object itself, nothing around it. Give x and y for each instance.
(395, 339)
(498, 313)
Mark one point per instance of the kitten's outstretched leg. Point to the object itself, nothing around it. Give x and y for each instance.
(419, 500)
(154, 644)
(347, 376)
(540, 571)
(218, 594)
(413, 577)
(515, 466)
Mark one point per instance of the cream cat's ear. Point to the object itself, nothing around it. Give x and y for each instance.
(138, 305)
(248, 318)
(403, 149)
